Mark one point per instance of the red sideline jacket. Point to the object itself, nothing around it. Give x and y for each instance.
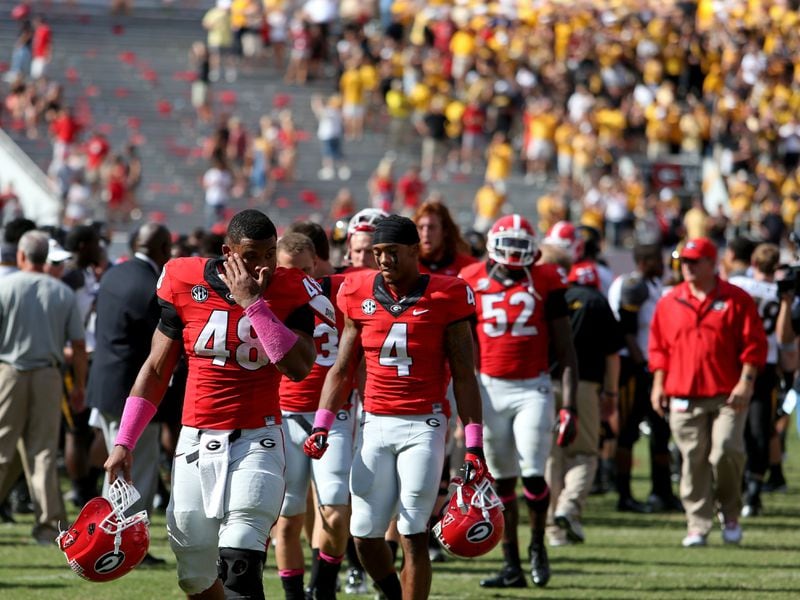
(703, 345)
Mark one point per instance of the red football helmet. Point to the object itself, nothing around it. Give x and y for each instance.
(364, 221)
(565, 235)
(512, 242)
(472, 523)
(103, 544)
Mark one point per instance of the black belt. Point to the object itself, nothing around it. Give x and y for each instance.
(302, 421)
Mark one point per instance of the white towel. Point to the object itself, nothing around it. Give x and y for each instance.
(213, 465)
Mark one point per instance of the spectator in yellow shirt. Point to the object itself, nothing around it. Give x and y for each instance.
(499, 156)
(351, 86)
(488, 203)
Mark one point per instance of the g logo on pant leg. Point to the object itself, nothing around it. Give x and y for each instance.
(432, 422)
(342, 415)
(267, 443)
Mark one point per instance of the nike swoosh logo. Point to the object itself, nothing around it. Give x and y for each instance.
(416, 312)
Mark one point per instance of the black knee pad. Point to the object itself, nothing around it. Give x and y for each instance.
(506, 488)
(537, 494)
(241, 573)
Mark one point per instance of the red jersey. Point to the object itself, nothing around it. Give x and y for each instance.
(303, 396)
(231, 383)
(702, 345)
(451, 268)
(513, 332)
(404, 340)
(42, 42)
(97, 149)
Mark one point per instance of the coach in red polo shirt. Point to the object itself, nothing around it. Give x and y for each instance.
(706, 345)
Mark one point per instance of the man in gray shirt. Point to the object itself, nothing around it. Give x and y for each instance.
(38, 316)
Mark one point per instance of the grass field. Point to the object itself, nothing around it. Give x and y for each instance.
(625, 556)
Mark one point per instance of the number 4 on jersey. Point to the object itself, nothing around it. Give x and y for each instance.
(394, 351)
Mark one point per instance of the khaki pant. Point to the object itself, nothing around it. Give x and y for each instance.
(710, 437)
(30, 412)
(570, 471)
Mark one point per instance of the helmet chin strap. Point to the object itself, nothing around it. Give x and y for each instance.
(525, 269)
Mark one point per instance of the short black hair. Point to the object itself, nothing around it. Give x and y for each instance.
(15, 229)
(316, 234)
(742, 248)
(250, 224)
(644, 251)
(79, 235)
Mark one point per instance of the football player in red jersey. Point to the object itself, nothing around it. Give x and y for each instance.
(442, 250)
(521, 315)
(408, 326)
(242, 323)
(299, 401)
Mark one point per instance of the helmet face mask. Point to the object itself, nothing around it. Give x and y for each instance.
(472, 522)
(103, 544)
(512, 242)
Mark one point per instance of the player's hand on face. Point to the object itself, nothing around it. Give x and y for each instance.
(474, 469)
(244, 288)
(119, 461)
(316, 443)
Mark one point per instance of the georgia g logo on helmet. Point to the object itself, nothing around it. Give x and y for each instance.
(479, 532)
(110, 561)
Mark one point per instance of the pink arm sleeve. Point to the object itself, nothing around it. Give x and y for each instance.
(135, 416)
(275, 337)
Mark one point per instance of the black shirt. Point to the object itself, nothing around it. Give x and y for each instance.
(595, 331)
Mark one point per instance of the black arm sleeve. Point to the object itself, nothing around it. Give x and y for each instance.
(302, 319)
(170, 324)
(555, 306)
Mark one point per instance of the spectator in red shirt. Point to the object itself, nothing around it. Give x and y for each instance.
(65, 129)
(706, 346)
(474, 121)
(97, 149)
(42, 48)
(410, 190)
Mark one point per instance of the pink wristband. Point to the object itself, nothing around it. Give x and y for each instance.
(473, 435)
(324, 418)
(275, 337)
(135, 417)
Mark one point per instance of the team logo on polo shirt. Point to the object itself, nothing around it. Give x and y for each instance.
(719, 305)
(368, 306)
(199, 293)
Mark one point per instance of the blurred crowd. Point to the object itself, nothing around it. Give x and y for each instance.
(92, 180)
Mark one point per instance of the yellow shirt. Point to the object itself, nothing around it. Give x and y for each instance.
(218, 24)
(239, 14)
(498, 164)
(543, 127)
(369, 77)
(352, 87)
(397, 104)
(563, 138)
(462, 44)
(488, 202)
(695, 221)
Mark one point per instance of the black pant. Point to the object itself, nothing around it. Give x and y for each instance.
(634, 406)
(760, 420)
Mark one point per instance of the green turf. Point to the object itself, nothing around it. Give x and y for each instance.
(625, 556)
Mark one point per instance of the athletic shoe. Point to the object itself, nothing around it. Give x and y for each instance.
(633, 506)
(694, 540)
(775, 483)
(752, 506)
(356, 582)
(45, 535)
(508, 577)
(662, 504)
(540, 565)
(732, 532)
(571, 526)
